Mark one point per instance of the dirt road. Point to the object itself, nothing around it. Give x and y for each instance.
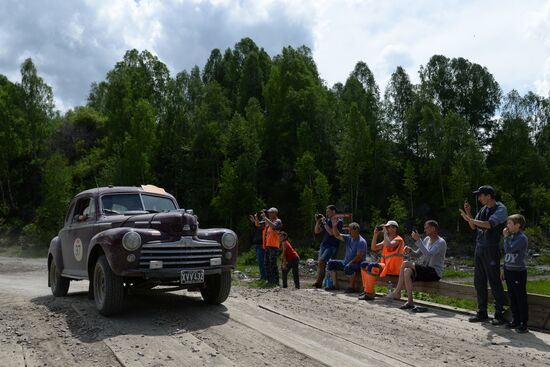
(253, 328)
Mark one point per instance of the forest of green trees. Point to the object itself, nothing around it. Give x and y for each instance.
(249, 130)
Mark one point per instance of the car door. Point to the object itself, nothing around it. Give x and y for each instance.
(79, 233)
(66, 240)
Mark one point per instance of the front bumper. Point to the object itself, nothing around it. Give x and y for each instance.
(170, 274)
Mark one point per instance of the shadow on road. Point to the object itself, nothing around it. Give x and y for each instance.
(527, 340)
(147, 314)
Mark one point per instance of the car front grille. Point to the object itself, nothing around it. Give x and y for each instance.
(186, 253)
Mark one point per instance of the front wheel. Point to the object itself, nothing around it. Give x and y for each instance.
(58, 283)
(217, 287)
(108, 288)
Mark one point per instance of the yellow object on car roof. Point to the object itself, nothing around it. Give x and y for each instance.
(153, 189)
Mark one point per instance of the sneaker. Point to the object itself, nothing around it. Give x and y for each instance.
(331, 288)
(479, 317)
(511, 325)
(407, 306)
(522, 328)
(366, 297)
(362, 294)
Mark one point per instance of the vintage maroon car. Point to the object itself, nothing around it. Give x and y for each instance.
(122, 238)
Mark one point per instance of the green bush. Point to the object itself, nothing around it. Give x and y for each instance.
(306, 253)
(247, 258)
(537, 238)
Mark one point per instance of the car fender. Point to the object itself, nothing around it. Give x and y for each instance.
(216, 234)
(54, 252)
(109, 242)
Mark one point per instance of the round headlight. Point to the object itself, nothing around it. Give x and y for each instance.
(229, 240)
(131, 241)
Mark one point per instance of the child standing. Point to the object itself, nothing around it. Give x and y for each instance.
(289, 260)
(515, 270)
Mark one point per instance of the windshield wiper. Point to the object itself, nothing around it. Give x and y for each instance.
(110, 211)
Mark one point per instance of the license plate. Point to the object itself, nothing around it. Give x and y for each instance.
(192, 276)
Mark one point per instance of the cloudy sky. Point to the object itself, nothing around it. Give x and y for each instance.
(74, 43)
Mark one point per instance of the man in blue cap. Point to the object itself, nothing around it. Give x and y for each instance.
(489, 223)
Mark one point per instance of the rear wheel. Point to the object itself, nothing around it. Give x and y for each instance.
(217, 287)
(58, 283)
(108, 288)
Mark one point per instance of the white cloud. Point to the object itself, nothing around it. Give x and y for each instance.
(75, 43)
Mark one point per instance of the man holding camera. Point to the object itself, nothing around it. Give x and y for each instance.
(257, 239)
(489, 223)
(271, 240)
(329, 244)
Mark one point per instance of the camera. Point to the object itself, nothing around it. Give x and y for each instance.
(380, 228)
(319, 216)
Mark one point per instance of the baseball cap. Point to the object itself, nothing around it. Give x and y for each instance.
(485, 189)
(391, 223)
(273, 209)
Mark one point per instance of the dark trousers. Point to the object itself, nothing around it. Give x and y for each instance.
(516, 281)
(487, 268)
(294, 265)
(260, 254)
(271, 254)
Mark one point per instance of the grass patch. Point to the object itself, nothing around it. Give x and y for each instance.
(537, 271)
(454, 273)
(468, 304)
(250, 271)
(261, 284)
(540, 286)
(544, 259)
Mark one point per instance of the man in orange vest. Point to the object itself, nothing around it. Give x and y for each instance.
(393, 248)
(271, 234)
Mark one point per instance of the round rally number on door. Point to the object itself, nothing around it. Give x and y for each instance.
(77, 249)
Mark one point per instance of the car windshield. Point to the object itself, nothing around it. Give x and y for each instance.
(157, 203)
(121, 203)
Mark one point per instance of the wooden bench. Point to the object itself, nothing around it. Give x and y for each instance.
(539, 306)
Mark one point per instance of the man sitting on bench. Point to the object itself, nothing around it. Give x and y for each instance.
(429, 268)
(356, 248)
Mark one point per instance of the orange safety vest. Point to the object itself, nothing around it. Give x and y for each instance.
(271, 237)
(392, 258)
(264, 230)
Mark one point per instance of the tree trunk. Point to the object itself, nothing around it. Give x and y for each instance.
(442, 188)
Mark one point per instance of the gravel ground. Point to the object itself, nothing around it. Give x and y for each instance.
(254, 327)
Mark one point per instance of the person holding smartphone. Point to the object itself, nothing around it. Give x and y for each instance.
(429, 267)
(489, 223)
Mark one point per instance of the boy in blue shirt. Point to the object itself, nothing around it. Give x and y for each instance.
(515, 270)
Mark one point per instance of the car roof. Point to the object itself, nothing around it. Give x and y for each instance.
(123, 190)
